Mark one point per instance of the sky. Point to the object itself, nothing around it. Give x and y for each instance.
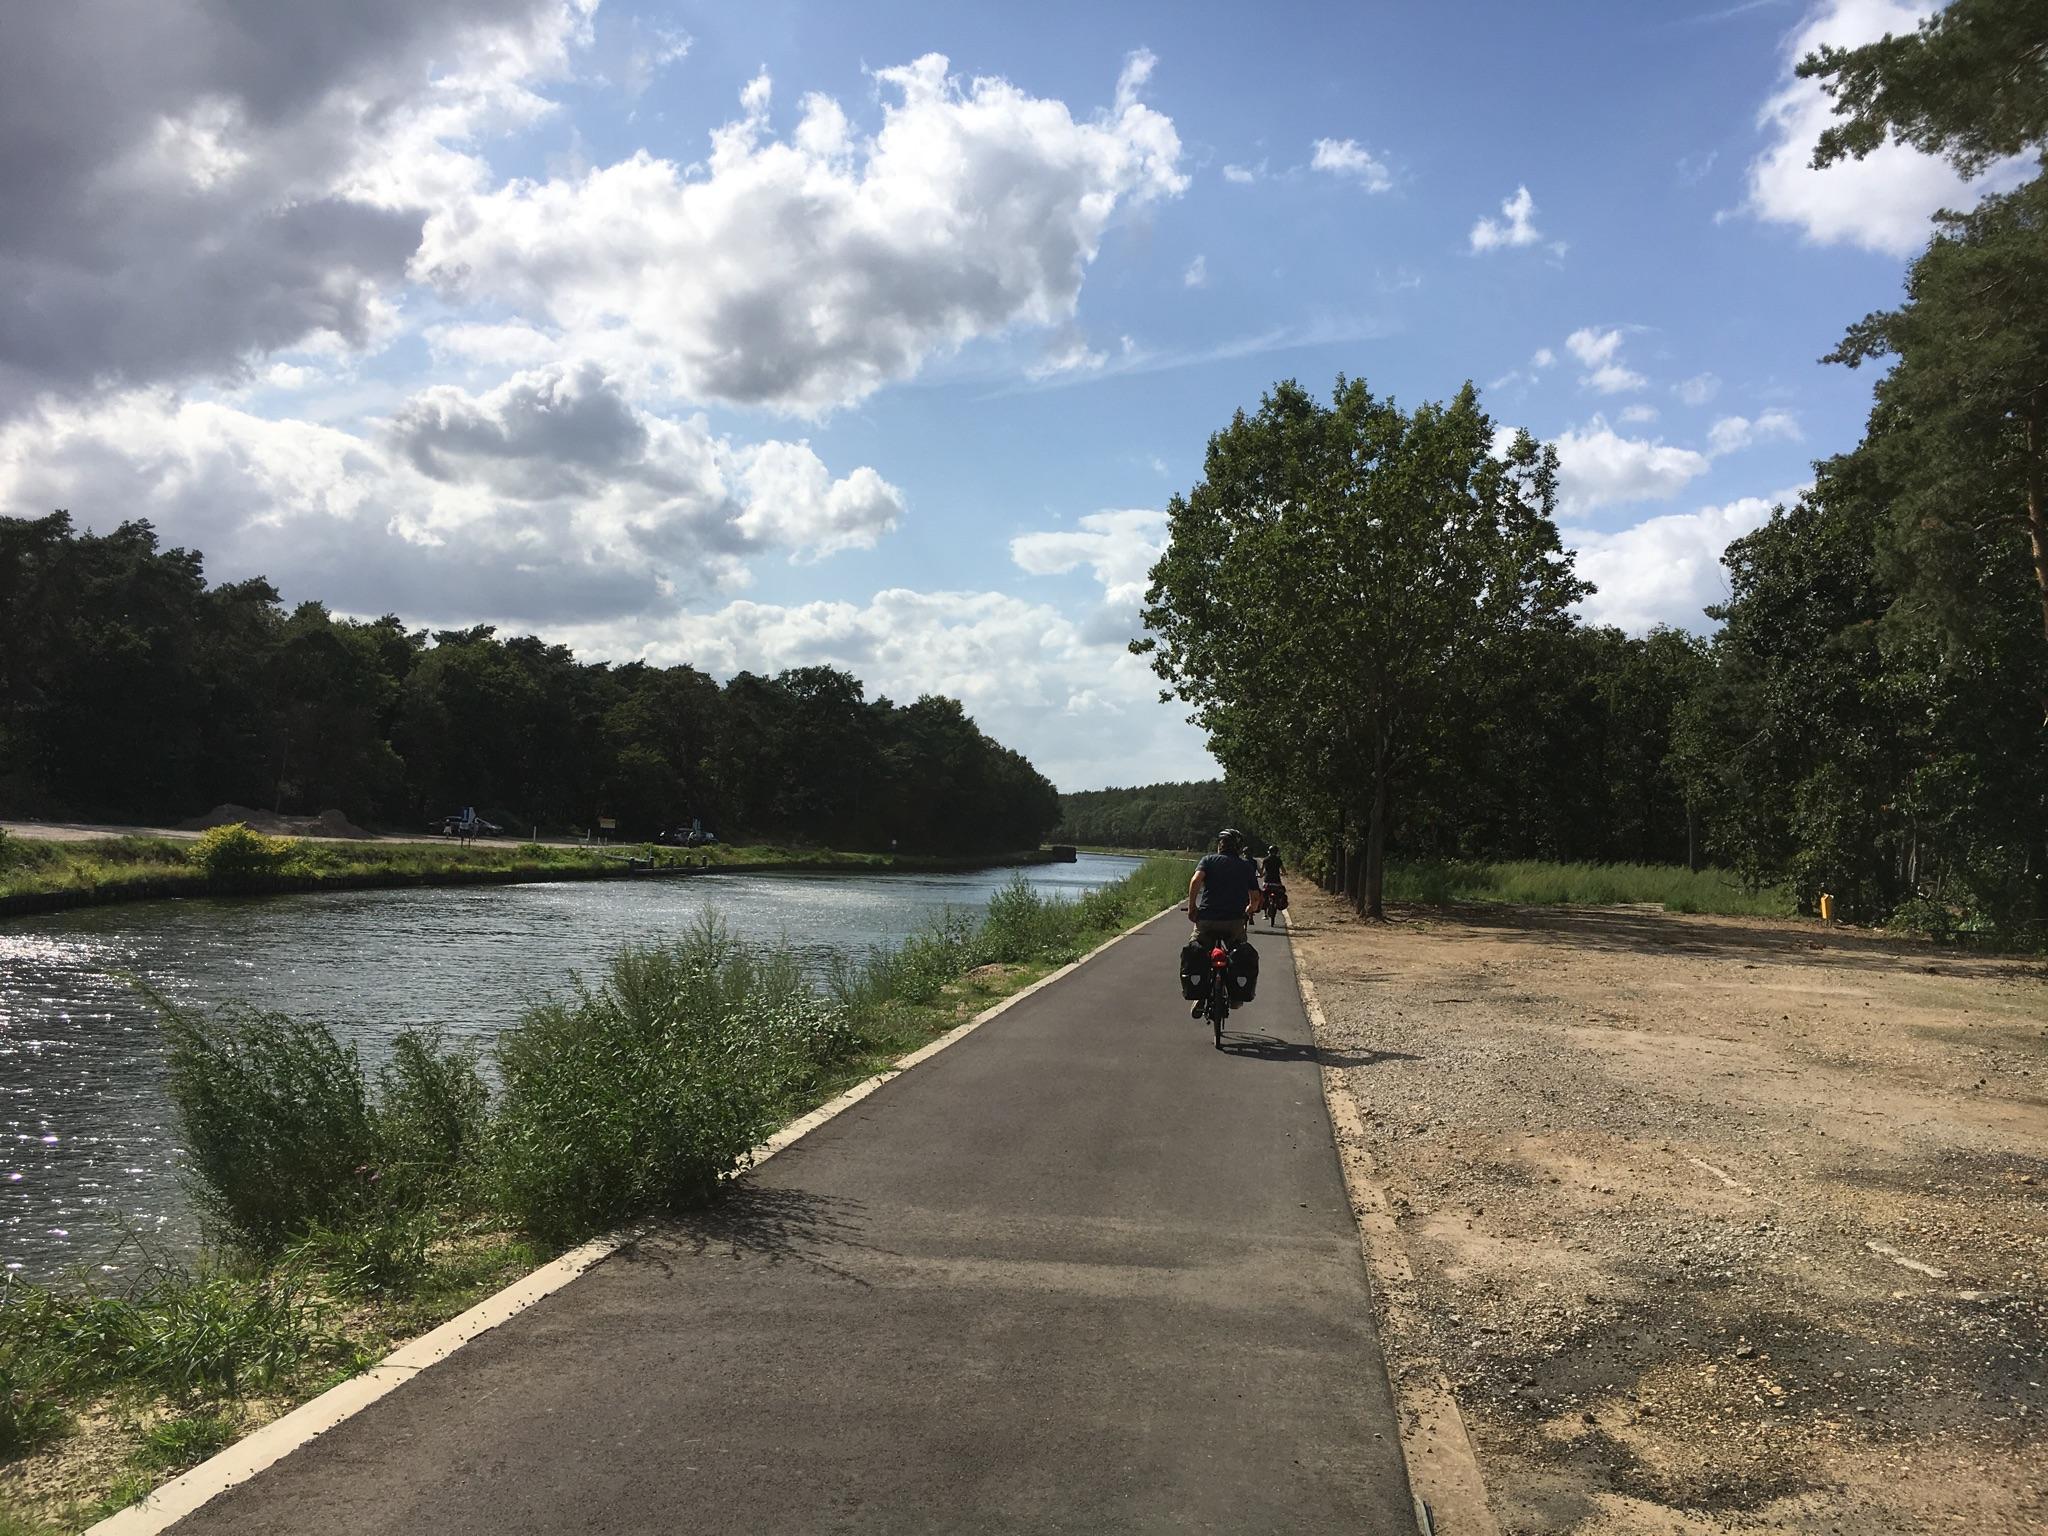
(879, 336)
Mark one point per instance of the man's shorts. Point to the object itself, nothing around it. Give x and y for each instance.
(1231, 932)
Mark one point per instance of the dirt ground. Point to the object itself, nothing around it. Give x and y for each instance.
(1708, 1224)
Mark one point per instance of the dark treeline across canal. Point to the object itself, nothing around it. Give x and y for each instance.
(88, 1143)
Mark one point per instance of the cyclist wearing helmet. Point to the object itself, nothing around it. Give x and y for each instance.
(1224, 892)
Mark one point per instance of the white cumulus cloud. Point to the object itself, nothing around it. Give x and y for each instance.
(1665, 569)
(1348, 158)
(1599, 351)
(1732, 433)
(1599, 467)
(975, 208)
(1516, 227)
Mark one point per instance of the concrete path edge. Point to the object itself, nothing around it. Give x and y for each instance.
(279, 1438)
(1443, 1467)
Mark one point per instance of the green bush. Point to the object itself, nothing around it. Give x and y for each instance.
(234, 852)
(278, 1126)
(642, 1092)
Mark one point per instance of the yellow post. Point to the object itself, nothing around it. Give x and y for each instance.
(1827, 907)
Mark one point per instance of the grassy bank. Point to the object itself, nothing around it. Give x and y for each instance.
(353, 1209)
(45, 876)
(1532, 883)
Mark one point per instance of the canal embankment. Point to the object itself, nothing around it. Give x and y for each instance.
(39, 874)
(351, 1209)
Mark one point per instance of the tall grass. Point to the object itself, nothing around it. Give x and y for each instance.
(1534, 883)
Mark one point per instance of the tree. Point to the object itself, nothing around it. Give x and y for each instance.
(1393, 563)
(1971, 84)
(1962, 420)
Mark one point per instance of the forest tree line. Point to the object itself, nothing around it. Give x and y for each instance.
(1871, 718)
(131, 690)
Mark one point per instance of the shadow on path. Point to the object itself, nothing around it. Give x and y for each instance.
(748, 1221)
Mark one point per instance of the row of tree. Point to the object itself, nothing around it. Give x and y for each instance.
(130, 689)
(1871, 718)
(1148, 816)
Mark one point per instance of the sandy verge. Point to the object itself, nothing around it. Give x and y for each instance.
(1712, 1223)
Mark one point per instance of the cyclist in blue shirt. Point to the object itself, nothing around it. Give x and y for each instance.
(1224, 892)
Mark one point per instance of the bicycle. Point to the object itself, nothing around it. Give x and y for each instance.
(1216, 997)
(1275, 895)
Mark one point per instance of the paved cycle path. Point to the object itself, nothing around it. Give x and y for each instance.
(1079, 1272)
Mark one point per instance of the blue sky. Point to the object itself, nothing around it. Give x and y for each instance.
(755, 337)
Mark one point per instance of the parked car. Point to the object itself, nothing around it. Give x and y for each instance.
(685, 837)
(466, 823)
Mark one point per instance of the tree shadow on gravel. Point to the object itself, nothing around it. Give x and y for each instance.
(748, 1221)
(1633, 930)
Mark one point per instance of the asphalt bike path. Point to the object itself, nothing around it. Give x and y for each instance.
(1082, 1272)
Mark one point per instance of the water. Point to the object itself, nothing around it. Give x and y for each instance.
(88, 1142)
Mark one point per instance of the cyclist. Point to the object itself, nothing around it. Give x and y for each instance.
(1223, 894)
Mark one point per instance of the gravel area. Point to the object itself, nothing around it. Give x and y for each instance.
(1713, 1223)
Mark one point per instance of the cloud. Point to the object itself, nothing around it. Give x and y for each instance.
(1348, 158)
(1600, 352)
(549, 500)
(1543, 358)
(1698, 389)
(974, 209)
(1119, 547)
(1244, 175)
(1517, 227)
(1636, 415)
(1880, 203)
(190, 184)
(1598, 467)
(1667, 569)
(1732, 433)
(1197, 274)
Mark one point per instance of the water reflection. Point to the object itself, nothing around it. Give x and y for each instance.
(88, 1142)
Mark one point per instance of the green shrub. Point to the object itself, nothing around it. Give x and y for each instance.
(234, 852)
(278, 1126)
(641, 1093)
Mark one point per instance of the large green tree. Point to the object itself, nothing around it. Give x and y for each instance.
(1336, 590)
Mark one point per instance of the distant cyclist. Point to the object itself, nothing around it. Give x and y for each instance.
(1270, 866)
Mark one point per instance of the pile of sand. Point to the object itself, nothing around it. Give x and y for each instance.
(327, 824)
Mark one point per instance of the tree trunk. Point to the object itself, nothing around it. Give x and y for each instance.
(1354, 877)
(2037, 522)
(1376, 845)
(1692, 837)
(1333, 882)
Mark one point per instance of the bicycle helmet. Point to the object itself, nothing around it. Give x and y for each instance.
(1230, 839)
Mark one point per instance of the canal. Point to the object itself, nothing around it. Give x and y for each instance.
(89, 1150)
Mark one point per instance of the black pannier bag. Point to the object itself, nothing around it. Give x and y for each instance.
(1194, 969)
(1243, 973)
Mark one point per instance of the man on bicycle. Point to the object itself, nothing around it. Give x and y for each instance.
(1224, 892)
